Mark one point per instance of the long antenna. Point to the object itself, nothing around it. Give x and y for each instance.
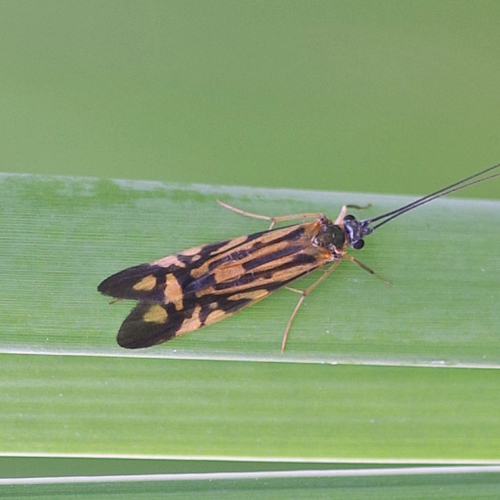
(466, 182)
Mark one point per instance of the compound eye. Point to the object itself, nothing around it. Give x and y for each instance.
(358, 245)
(349, 217)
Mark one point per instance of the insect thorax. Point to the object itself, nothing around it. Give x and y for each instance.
(330, 236)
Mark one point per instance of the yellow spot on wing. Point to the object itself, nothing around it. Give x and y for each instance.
(155, 314)
(173, 291)
(228, 272)
(232, 243)
(192, 323)
(214, 316)
(168, 261)
(146, 284)
(191, 251)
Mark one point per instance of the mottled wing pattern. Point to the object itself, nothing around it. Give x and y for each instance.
(200, 286)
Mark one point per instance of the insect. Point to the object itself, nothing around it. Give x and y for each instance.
(200, 286)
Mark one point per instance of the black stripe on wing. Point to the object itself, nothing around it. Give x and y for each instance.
(145, 282)
(149, 323)
(152, 323)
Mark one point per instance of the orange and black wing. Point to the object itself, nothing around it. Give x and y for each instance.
(200, 286)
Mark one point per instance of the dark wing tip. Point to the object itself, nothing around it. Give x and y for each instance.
(135, 283)
(123, 280)
(145, 326)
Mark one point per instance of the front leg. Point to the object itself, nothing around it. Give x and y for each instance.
(343, 212)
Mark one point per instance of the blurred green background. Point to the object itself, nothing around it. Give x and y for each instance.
(373, 96)
(369, 96)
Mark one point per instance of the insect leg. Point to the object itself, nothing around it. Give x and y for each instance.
(242, 212)
(273, 220)
(290, 321)
(366, 268)
(303, 294)
(343, 212)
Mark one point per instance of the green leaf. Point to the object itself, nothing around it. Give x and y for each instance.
(419, 483)
(63, 236)
(357, 384)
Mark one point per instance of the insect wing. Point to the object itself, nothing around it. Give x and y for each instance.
(149, 323)
(200, 286)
